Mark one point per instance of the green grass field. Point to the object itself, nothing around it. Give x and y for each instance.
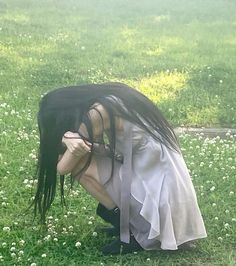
(181, 54)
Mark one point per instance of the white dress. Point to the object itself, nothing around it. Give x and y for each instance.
(163, 208)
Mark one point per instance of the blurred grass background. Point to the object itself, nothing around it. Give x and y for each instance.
(181, 54)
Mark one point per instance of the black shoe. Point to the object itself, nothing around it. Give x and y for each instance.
(117, 247)
(109, 231)
(110, 216)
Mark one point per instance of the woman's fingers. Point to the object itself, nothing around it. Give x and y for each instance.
(78, 147)
(87, 143)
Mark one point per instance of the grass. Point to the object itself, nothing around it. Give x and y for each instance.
(181, 54)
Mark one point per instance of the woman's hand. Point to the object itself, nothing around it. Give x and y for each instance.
(75, 144)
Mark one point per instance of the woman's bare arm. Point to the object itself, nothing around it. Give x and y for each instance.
(67, 162)
(100, 121)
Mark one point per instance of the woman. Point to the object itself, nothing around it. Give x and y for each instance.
(125, 154)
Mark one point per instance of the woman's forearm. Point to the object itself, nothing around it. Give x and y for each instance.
(67, 162)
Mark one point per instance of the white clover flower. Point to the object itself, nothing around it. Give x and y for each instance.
(233, 220)
(78, 244)
(148, 259)
(221, 81)
(216, 218)
(220, 238)
(226, 225)
(21, 252)
(6, 229)
(95, 234)
(212, 188)
(55, 239)
(231, 193)
(33, 264)
(214, 204)
(90, 222)
(21, 169)
(22, 242)
(12, 249)
(44, 255)
(13, 254)
(46, 238)
(4, 244)
(226, 211)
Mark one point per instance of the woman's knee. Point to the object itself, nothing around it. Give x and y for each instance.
(85, 180)
(92, 171)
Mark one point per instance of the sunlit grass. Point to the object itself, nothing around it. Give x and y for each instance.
(231, 41)
(199, 116)
(161, 86)
(15, 16)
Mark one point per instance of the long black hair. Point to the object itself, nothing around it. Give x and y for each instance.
(64, 109)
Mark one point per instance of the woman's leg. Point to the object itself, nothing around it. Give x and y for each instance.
(90, 181)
